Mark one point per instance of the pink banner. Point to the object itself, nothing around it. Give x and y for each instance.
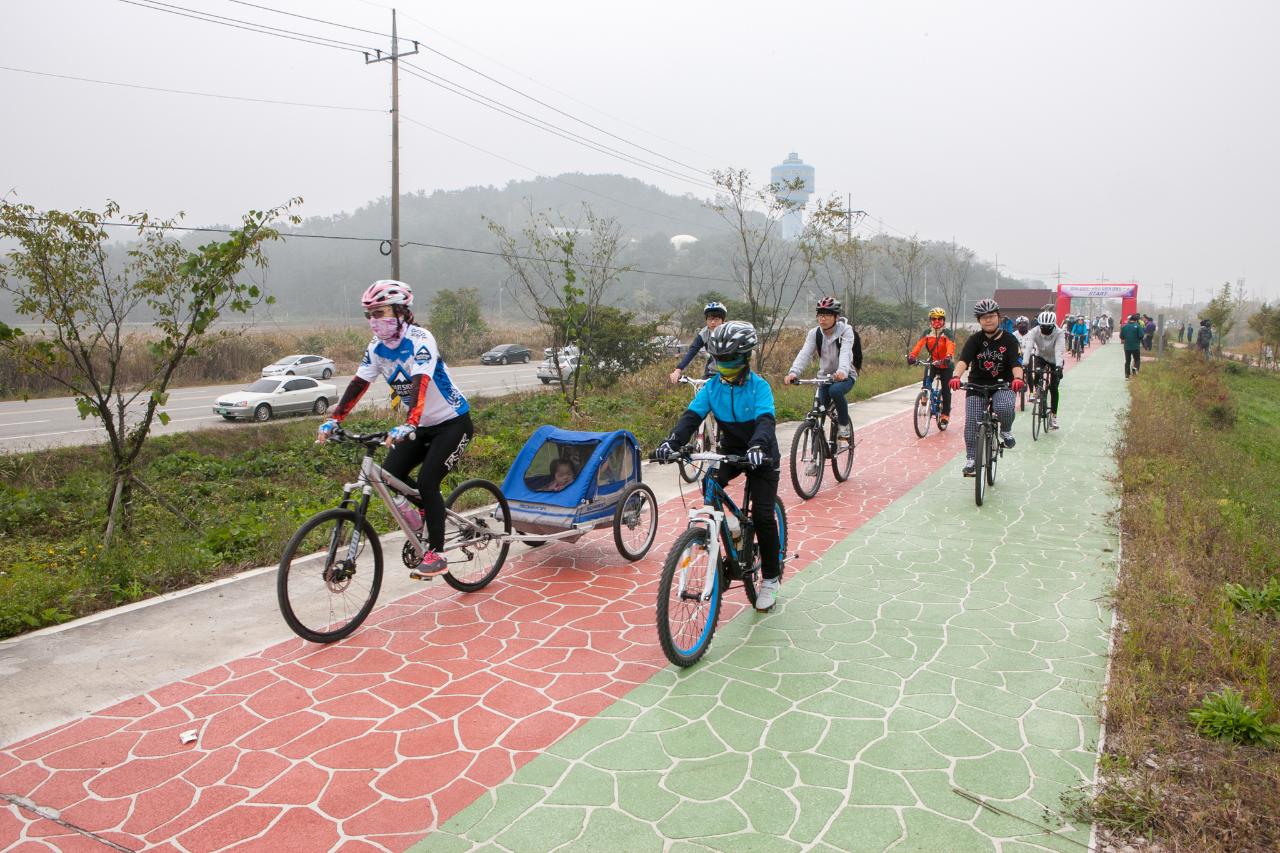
(1104, 291)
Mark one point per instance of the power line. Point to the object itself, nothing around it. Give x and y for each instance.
(309, 18)
(318, 41)
(188, 92)
(541, 124)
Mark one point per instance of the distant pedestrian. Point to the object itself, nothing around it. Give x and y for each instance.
(1268, 356)
(1131, 334)
(1189, 332)
(1204, 337)
(1148, 331)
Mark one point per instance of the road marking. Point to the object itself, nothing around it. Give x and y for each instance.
(21, 423)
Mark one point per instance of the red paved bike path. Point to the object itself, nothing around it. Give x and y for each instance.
(370, 743)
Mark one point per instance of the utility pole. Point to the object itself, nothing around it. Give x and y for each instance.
(1169, 284)
(394, 56)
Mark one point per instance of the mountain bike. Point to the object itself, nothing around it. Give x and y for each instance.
(988, 448)
(1040, 401)
(331, 570)
(1077, 346)
(929, 401)
(817, 440)
(717, 549)
(704, 439)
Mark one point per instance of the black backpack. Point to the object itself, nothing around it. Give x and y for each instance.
(1204, 337)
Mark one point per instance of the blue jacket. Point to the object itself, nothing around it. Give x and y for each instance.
(744, 410)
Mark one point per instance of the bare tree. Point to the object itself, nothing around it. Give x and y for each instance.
(953, 271)
(846, 269)
(770, 270)
(562, 271)
(909, 259)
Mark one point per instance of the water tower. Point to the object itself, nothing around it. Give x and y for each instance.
(788, 172)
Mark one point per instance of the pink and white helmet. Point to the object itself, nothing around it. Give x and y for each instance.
(387, 291)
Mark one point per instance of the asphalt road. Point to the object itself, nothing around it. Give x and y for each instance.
(54, 421)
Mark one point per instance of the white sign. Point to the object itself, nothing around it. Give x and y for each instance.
(1105, 291)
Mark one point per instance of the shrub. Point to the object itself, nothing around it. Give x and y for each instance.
(1225, 715)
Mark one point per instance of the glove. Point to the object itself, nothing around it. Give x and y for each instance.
(403, 432)
(755, 456)
(326, 431)
(955, 383)
(911, 359)
(1018, 385)
(664, 452)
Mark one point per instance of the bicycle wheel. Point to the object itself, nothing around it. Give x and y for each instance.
(1036, 426)
(751, 580)
(1022, 399)
(635, 521)
(923, 413)
(994, 448)
(980, 461)
(807, 459)
(687, 611)
(842, 453)
(325, 586)
(475, 553)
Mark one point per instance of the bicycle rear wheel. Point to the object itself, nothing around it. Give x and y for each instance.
(842, 450)
(476, 554)
(687, 611)
(325, 586)
(980, 461)
(923, 413)
(751, 580)
(807, 459)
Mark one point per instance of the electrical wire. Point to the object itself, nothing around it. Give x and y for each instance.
(309, 18)
(318, 41)
(188, 92)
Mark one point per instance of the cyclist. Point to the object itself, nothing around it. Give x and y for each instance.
(437, 425)
(1080, 329)
(714, 314)
(1046, 350)
(742, 402)
(1021, 329)
(839, 352)
(993, 352)
(940, 351)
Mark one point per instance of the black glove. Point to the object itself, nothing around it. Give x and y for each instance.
(664, 452)
(755, 456)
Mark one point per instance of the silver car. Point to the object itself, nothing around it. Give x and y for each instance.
(301, 365)
(267, 398)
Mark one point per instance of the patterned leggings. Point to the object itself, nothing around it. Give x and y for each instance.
(1001, 401)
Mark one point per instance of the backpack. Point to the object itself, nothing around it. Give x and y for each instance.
(818, 338)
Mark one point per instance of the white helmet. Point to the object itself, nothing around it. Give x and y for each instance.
(1047, 318)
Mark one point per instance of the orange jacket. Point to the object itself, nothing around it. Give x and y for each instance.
(938, 345)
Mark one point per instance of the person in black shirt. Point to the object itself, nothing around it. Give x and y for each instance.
(995, 357)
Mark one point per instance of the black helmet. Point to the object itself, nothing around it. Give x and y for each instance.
(716, 309)
(1206, 322)
(733, 338)
(985, 306)
(1133, 317)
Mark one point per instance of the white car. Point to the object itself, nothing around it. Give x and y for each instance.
(301, 365)
(267, 398)
(547, 369)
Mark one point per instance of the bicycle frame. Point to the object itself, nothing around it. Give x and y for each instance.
(820, 411)
(712, 515)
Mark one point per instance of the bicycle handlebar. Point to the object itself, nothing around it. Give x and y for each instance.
(986, 389)
(369, 439)
(696, 383)
(820, 379)
(689, 454)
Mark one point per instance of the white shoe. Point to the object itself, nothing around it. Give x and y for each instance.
(844, 430)
(1053, 422)
(811, 469)
(767, 596)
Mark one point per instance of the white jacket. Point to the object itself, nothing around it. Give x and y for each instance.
(1051, 348)
(836, 355)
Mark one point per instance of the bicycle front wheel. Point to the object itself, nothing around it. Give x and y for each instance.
(923, 413)
(477, 534)
(841, 453)
(980, 461)
(1036, 423)
(687, 610)
(329, 575)
(994, 448)
(807, 459)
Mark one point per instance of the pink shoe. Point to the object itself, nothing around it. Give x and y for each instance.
(432, 565)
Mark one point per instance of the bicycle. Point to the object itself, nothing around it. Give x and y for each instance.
(929, 401)
(1077, 346)
(704, 439)
(814, 442)
(718, 548)
(988, 447)
(1040, 402)
(331, 570)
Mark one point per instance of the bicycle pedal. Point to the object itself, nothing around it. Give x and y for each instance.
(415, 575)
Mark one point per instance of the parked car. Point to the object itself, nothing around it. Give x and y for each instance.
(669, 344)
(267, 398)
(507, 354)
(301, 365)
(547, 369)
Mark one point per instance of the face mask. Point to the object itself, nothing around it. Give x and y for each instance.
(937, 324)
(385, 328)
(1046, 330)
(732, 369)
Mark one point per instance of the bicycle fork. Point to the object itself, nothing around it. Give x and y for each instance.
(711, 519)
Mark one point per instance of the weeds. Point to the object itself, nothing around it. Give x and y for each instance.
(1263, 599)
(1225, 715)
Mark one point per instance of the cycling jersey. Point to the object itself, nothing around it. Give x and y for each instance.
(416, 374)
(938, 346)
(1050, 348)
(743, 410)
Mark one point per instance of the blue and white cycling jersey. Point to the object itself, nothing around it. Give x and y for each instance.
(416, 355)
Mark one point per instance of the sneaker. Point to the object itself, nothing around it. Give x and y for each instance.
(943, 420)
(969, 467)
(1053, 421)
(811, 469)
(1008, 439)
(767, 596)
(844, 430)
(432, 565)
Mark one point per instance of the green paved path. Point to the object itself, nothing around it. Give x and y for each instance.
(939, 646)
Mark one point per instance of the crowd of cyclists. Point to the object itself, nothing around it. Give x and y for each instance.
(998, 360)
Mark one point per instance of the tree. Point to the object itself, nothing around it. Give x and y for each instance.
(62, 276)
(909, 260)
(1221, 313)
(844, 269)
(457, 321)
(771, 272)
(562, 271)
(1266, 323)
(953, 272)
(691, 317)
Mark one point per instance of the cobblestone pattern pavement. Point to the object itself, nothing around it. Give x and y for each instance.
(939, 647)
(375, 741)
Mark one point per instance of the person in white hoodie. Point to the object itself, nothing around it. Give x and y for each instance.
(1045, 349)
(839, 353)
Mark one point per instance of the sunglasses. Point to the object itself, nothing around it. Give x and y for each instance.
(380, 313)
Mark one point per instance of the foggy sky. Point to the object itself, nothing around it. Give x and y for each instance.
(1131, 140)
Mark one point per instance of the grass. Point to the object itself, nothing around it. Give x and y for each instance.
(248, 489)
(1192, 707)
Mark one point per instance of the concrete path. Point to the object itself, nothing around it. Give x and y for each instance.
(541, 711)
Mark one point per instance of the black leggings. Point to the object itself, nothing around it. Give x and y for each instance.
(1134, 356)
(438, 448)
(763, 485)
(1055, 378)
